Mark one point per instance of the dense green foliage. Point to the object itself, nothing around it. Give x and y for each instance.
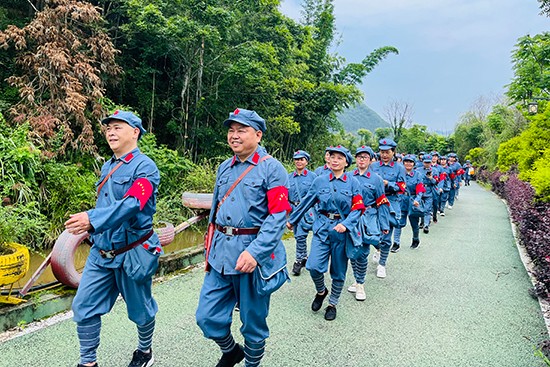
(188, 63)
(507, 138)
(530, 153)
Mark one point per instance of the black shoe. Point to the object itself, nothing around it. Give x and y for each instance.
(422, 224)
(395, 247)
(232, 357)
(330, 313)
(297, 267)
(415, 244)
(426, 230)
(318, 301)
(141, 359)
(435, 220)
(82, 365)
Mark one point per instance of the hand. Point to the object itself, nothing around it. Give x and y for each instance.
(78, 223)
(340, 228)
(246, 263)
(385, 182)
(416, 203)
(386, 231)
(289, 226)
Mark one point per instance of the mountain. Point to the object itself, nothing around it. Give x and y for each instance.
(361, 117)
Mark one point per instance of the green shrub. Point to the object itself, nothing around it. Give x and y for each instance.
(24, 224)
(66, 189)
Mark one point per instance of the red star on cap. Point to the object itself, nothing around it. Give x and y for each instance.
(236, 112)
(116, 112)
(384, 142)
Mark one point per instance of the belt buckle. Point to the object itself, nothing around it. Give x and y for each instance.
(331, 216)
(229, 231)
(107, 254)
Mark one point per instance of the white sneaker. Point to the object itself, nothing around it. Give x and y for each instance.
(450, 206)
(442, 214)
(381, 271)
(360, 292)
(352, 288)
(376, 256)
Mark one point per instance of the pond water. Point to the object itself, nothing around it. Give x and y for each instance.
(188, 238)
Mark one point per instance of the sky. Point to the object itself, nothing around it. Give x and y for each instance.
(451, 52)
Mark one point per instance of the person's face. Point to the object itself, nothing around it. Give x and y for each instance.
(327, 157)
(452, 160)
(363, 160)
(337, 161)
(121, 137)
(386, 155)
(300, 163)
(243, 140)
(434, 159)
(409, 165)
(443, 162)
(427, 164)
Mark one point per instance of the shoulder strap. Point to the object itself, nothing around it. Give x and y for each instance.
(109, 175)
(239, 179)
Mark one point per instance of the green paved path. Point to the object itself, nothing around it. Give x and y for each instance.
(460, 299)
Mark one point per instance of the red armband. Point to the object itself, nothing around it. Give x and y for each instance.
(142, 190)
(382, 200)
(420, 188)
(277, 200)
(453, 176)
(442, 176)
(460, 172)
(357, 203)
(402, 187)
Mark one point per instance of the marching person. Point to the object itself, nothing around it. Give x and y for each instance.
(376, 207)
(121, 231)
(325, 168)
(339, 206)
(415, 205)
(249, 210)
(430, 184)
(299, 183)
(468, 172)
(456, 178)
(393, 176)
(436, 193)
(444, 184)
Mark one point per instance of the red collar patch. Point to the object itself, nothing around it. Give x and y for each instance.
(128, 157)
(255, 158)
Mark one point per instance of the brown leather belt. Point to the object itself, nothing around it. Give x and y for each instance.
(112, 253)
(331, 215)
(232, 231)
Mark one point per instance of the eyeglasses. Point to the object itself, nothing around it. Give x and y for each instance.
(362, 157)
